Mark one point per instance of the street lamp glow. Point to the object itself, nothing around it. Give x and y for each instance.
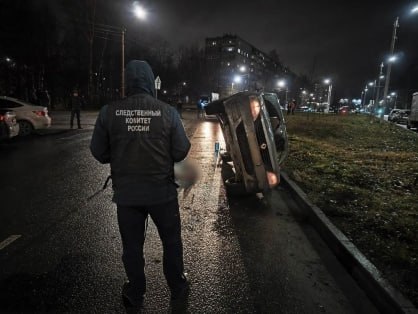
(371, 83)
(415, 9)
(393, 94)
(237, 79)
(8, 59)
(327, 81)
(281, 83)
(392, 59)
(139, 11)
(242, 68)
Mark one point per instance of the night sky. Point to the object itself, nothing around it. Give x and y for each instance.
(344, 40)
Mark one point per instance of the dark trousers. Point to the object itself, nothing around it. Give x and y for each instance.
(166, 217)
(77, 113)
(200, 113)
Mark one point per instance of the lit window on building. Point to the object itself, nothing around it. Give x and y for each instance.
(213, 43)
(230, 49)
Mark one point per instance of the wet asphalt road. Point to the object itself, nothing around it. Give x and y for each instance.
(241, 255)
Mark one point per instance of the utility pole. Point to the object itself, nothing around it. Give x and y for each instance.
(376, 101)
(392, 48)
(104, 29)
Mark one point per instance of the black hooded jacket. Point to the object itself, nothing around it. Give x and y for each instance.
(141, 137)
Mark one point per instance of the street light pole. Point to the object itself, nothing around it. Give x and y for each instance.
(328, 81)
(120, 31)
(361, 100)
(329, 96)
(392, 48)
(365, 97)
(376, 101)
(282, 85)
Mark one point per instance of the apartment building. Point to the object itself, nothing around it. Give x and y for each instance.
(235, 65)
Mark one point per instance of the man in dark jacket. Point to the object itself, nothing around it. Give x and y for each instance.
(75, 104)
(141, 137)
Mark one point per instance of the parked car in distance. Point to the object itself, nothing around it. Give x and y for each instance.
(403, 116)
(399, 116)
(344, 110)
(28, 116)
(256, 140)
(8, 125)
(392, 114)
(412, 121)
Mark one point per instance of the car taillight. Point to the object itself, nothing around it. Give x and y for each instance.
(1, 117)
(40, 113)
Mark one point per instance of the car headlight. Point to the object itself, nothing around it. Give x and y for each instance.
(255, 107)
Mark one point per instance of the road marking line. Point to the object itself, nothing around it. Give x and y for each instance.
(9, 240)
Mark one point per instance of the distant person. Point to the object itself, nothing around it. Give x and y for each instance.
(75, 106)
(142, 137)
(200, 109)
(44, 99)
(180, 107)
(292, 107)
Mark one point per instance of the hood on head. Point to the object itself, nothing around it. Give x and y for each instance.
(139, 78)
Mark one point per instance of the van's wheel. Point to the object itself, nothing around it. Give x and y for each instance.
(25, 128)
(234, 188)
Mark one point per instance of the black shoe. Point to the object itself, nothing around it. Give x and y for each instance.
(181, 293)
(131, 297)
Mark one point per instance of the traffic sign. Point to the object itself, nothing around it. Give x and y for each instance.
(158, 83)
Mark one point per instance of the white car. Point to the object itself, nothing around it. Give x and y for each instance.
(8, 125)
(28, 116)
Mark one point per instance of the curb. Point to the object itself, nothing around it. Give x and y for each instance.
(385, 297)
